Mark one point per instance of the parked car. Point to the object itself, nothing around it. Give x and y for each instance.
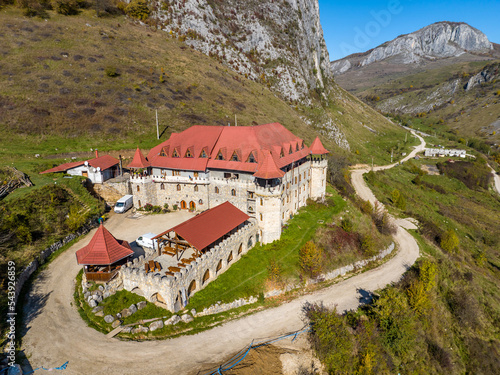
(146, 240)
(124, 203)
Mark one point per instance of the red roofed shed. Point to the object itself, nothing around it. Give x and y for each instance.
(206, 228)
(103, 256)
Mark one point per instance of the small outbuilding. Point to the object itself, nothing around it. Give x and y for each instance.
(103, 256)
(98, 170)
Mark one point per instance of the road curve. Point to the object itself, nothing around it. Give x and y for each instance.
(55, 333)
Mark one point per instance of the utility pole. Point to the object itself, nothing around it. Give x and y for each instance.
(157, 129)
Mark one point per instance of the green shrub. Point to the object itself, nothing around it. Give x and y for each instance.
(346, 224)
(449, 241)
(66, 7)
(311, 259)
(138, 9)
(111, 71)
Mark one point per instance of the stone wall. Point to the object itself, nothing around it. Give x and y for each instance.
(112, 191)
(174, 291)
(33, 266)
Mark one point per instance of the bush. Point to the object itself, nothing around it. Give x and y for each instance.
(148, 207)
(383, 222)
(311, 259)
(346, 224)
(111, 71)
(138, 9)
(66, 7)
(449, 241)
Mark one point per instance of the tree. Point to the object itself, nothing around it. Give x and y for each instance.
(450, 241)
(427, 274)
(311, 259)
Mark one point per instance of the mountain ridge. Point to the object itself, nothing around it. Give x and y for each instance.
(433, 42)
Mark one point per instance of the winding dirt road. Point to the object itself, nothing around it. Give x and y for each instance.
(55, 333)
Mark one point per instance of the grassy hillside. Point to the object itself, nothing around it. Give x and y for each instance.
(444, 315)
(72, 83)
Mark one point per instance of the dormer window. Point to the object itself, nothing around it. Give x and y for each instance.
(290, 151)
(282, 153)
(251, 158)
(219, 156)
(162, 153)
(235, 157)
(203, 154)
(302, 145)
(297, 147)
(175, 154)
(188, 154)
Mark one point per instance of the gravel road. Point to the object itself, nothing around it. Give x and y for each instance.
(55, 333)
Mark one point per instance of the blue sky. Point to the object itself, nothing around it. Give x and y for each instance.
(357, 26)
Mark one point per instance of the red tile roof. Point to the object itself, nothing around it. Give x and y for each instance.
(207, 227)
(139, 161)
(317, 148)
(104, 162)
(267, 169)
(103, 249)
(63, 167)
(229, 141)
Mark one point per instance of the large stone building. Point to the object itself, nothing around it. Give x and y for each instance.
(264, 170)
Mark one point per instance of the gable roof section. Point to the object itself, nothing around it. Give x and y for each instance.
(103, 162)
(64, 167)
(207, 227)
(139, 161)
(103, 249)
(317, 148)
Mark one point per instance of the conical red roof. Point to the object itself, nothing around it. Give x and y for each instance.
(317, 148)
(268, 169)
(139, 161)
(103, 249)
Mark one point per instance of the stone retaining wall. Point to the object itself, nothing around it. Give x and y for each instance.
(174, 291)
(33, 266)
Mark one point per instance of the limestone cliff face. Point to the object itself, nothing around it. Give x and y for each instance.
(278, 42)
(436, 41)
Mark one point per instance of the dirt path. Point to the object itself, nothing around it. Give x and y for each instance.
(496, 180)
(56, 333)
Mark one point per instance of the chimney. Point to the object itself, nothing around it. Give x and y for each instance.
(96, 153)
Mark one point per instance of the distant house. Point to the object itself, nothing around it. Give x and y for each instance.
(98, 170)
(434, 152)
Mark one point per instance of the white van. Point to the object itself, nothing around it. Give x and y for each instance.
(124, 203)
(146, 240)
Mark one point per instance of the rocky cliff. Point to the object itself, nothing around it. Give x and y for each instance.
(436, 41)
(279, 43)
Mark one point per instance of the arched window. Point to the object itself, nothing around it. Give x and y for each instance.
(200, 201)
(230, 257)
(183, 205)
(233, 192)
(192, 205)
(261, 201)
(195, 187)
(192, 288)
(240, 249)
(178, 187)
(216, 190)
(219, 266)
(162, 186)
(138, 188)
(206, 276)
